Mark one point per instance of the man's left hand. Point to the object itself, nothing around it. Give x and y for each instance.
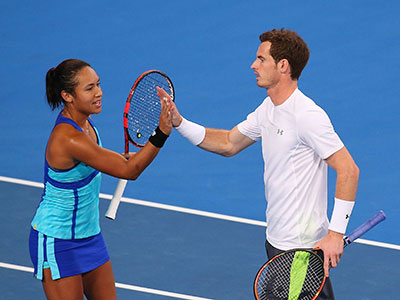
(332, 246)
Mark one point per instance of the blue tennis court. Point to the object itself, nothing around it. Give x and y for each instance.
(198, 230)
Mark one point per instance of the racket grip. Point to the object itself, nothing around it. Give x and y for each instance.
(368, 225)
(116, 199)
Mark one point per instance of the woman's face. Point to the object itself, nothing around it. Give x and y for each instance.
(88, 93)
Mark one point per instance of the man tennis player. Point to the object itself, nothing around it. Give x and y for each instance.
(298, 143)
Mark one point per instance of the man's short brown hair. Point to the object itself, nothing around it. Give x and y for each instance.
(287, 44)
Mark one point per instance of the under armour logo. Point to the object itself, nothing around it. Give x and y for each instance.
(280, 131)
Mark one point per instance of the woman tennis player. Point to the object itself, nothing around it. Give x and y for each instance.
(66, 244)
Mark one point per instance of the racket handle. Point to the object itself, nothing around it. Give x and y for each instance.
(368, 225)
(116, 199)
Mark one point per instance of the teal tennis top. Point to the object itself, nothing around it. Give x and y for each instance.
(69, 208)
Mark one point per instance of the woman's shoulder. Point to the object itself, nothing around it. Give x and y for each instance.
(62, 141)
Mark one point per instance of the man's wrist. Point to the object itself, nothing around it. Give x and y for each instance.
(341, 215)
(335, 234)
(193, 132)
(179, 122)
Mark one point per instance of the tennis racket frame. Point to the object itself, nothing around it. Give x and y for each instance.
(119, 190)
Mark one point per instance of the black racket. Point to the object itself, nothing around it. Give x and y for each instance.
(141, 118)
(298, 274)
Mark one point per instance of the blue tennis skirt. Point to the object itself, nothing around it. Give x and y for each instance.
(66, 257)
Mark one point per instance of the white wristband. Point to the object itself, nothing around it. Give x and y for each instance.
(341, 215)
(193, 132)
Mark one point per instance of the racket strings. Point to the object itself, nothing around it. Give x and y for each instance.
(145, 108)
(293, 276)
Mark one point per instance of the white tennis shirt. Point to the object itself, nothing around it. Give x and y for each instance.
(296, 137)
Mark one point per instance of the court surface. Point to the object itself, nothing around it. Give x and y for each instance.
(193, 223)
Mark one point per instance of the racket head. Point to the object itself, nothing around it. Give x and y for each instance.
(143, 107)
(294, 274)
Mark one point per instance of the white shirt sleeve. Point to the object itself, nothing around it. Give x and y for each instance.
(316, 131)
(250, 127)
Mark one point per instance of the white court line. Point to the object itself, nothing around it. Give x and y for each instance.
(21, 181)
(16, 267)
(187, 210)
(192, 211)
(377, 244)
(119, 285)
(158, 292)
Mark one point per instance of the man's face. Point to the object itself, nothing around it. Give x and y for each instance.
(265, 67)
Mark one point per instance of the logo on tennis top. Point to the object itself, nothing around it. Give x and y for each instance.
(280, 131)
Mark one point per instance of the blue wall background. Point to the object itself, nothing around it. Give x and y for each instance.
(207, 48)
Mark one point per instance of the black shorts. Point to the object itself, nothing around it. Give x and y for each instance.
(327, 291)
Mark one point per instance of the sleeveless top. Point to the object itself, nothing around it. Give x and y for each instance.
(69, 208)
